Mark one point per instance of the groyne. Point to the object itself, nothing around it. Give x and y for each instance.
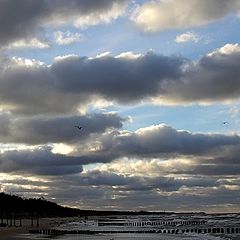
(209, 230)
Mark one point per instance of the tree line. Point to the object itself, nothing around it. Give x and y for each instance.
(40, 207)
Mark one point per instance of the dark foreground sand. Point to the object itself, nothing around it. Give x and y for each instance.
(10, 232)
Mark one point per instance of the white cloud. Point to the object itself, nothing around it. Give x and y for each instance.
(61, 148)
(102, 55)
(106, 17)
(227, 49)
(129, 55)
(154, 167)
(29, 43)
(25, 62)
(65, 57)
(187, 37)
(65, 38)
(155, 16)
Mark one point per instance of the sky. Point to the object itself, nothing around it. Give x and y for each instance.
(155, 86)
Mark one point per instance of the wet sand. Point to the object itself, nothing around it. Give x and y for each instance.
(140, 237)
(121, 237)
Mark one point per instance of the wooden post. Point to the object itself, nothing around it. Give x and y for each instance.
(20, 221)
(37, 222)
(11, 220)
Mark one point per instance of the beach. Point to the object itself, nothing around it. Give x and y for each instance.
(10, 232)
(73, 223)
(111, 237)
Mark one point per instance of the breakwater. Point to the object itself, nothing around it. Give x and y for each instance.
(214, 230)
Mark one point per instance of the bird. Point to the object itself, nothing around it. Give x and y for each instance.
(79, 127)
(226, 123)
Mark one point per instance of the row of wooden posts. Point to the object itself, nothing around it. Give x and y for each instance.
(16, 221)
(219, 230)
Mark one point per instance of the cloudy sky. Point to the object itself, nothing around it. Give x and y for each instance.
(155, 86)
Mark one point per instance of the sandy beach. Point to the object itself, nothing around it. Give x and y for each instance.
(10, 232)
(16, 233)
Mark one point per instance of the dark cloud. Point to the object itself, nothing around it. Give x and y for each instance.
(43, 129)
(229, 155)
(77, 81)
(223, 162)
(158, 141)
(43, 161)
(163, 139)
(68, 184)
(215, 77)
(71, 82)
(74, 81)
(216, 169)
(36, 92)
(134, 192)
(18, 19)
(23, 19)
(98, 178)
(121, 79)
(25, 182)
(126, 183)
(39, 161)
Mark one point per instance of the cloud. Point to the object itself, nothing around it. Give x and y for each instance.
(157, 162)
(216, 170)
(65, 38)
(156, 16)
(161, 139)
(223, 163)
(187, 37)
(43, 129)
(116, 78)
(156, 142)
(42, 161)
(213, 78)
(127, 183)
(32, 16)
(77, 81)
(38, 161)
(208, 199)
(153, 166)
(29, 43)
(74, 81)
(121, 191)
(129, 78)
(41, 103)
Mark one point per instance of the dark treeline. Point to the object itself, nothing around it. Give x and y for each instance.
(12, 204)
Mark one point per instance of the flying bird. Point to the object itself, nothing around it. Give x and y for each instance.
(226, 123)
(79, 127)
